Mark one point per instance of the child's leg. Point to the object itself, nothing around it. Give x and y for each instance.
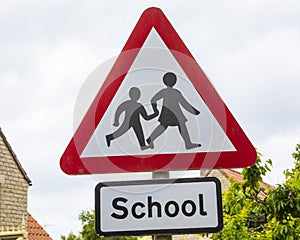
(118, 133)
(140, 135)
(186, 137)
(155, 134)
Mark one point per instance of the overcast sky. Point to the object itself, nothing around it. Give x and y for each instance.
(249, 49)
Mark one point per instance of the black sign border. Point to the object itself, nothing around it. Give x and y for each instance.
(164, 231)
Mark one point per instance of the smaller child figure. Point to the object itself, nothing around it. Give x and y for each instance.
(132, 110)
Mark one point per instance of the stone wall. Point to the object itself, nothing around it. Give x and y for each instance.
(13, 188)
(223, 179)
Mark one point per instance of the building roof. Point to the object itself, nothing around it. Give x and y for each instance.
(15, 157)
(238, 177)
(235, 175)
(35, 230)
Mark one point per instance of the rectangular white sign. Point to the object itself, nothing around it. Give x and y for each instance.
(164, 206)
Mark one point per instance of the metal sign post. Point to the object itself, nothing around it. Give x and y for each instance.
(156, 67)
(161, 175)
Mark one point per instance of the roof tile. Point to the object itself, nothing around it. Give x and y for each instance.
(238, 177)
(36, 231)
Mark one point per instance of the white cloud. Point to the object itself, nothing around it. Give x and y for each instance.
(259, 83)
(279, 148)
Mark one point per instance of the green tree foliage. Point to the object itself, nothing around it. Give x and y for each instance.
(251, 214)
(88, 229)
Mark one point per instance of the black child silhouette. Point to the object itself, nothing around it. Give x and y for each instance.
(171, 113)
(133, 110)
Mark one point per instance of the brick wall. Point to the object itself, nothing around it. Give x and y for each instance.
(13, 188)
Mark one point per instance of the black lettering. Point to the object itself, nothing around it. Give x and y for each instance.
(120, 208)
(133, 210)
(151, 205)
(201, 205)
(184, 208)
(167, 209)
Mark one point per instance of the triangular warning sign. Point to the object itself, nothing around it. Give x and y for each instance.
(156, 110)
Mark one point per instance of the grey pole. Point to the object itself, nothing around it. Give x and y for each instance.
(161, 175)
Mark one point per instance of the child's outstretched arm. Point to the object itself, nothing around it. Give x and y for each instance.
(185, 104)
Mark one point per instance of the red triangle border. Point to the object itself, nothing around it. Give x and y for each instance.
(71, 163)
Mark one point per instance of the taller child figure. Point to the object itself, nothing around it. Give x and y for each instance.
(171, 113)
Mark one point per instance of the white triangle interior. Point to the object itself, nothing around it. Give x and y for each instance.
(152, 62)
